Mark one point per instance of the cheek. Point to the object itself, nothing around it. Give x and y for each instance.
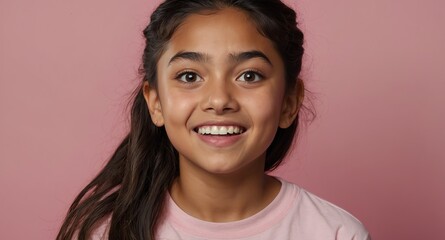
(266, 107)
(177, 106)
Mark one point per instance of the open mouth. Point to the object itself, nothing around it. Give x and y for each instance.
(220, 130)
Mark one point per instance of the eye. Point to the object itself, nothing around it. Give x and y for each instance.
(188, 77)
(250, 76)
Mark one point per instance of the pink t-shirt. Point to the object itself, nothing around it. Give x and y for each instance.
(293, 214)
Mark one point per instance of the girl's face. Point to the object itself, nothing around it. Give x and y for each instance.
(221, 93)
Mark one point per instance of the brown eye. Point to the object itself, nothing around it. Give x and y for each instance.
(188, 77)
(250, 76)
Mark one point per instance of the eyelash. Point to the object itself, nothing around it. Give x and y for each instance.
(254, 72)
(183, 74)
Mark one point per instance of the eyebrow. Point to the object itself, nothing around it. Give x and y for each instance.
(244, 56)
(235, 57)
(194, 56)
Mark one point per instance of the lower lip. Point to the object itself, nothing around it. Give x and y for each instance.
(220, 141)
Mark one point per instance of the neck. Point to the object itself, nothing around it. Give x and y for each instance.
(224, 197)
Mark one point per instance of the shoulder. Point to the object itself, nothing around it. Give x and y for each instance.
(313, 212)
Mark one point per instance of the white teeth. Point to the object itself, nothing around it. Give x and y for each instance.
(223, 131)
(214, 130)
(220, 130)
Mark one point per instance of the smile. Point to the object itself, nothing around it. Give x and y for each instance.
(219, 130)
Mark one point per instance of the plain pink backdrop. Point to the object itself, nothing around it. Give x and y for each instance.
(376, 69)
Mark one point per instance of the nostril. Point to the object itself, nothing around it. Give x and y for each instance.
(227, 109)
(219, 103)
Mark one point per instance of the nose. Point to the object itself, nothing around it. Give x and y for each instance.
(219, 97)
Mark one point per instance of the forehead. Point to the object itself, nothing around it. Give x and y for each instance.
(221, 32)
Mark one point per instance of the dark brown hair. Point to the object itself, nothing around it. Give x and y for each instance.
(130, 189)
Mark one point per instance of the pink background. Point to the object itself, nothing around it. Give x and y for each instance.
(376, 69)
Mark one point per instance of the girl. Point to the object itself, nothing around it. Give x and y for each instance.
(216, 110)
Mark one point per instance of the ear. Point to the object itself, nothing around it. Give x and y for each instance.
(291, 104)
(154, 105)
